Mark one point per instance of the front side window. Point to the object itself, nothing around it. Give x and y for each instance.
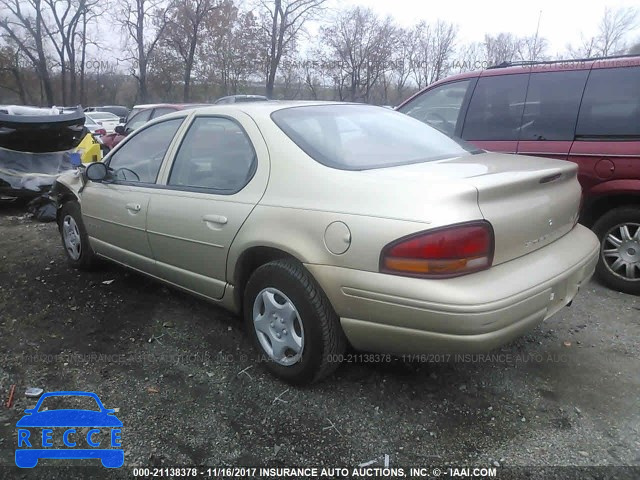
(611, 104)
(140, 158)
(439, 107)
(215, 155)
(495, 110)
(551, 109)
(361, 137)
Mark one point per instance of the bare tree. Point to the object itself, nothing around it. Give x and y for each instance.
(533, 48)
(10, 73)
(144, 22)
(22, 22)
(405, 57)
(184, 33)
(501, 48)
(635, 49)
(282, 21)
(231, 48)
(613, 30)
(471, 56)
(361, 46)
(436, 47)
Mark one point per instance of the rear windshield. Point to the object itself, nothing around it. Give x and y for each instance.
(362, 137)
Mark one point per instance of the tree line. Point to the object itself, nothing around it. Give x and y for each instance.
(69, 52)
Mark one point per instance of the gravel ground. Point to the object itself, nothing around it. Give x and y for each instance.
(188, 391)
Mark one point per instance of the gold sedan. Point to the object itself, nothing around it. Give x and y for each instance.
(324, 224)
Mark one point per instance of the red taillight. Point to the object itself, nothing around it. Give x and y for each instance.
(101, 131)
(443, 252)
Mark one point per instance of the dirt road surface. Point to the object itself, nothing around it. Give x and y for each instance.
(183, 379)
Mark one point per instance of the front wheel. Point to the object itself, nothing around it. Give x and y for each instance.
(74, 237)
(292, 323)
(619, 262)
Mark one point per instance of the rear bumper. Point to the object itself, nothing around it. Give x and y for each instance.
(473, 313)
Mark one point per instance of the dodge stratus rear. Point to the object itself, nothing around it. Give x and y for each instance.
(324, 224)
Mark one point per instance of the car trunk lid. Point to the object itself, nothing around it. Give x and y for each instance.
(529, 201)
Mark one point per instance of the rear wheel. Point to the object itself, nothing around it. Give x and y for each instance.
(292, 323)
(619, 262)
(74, 237)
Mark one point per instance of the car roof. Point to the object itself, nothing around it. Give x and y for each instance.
(174, 105)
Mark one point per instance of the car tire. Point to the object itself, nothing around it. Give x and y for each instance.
(293, 300)
(75, 240)
(609, 229)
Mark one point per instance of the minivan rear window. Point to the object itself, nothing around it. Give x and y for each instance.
(361, 137)
(551, 109)
(495, 110)
(611, 104)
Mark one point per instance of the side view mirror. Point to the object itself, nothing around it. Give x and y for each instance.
(96, 172)
(119, 129)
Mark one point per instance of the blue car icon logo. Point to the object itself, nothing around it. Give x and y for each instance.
(85, 434)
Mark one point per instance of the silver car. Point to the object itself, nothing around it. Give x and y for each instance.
(324, 224)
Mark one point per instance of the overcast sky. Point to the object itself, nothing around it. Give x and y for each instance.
(561, 22)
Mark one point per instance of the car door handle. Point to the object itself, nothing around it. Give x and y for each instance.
(217, 219)
(133, 207)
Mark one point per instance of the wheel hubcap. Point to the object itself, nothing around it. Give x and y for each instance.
(621, 251)
(71, 237)
(278, 326)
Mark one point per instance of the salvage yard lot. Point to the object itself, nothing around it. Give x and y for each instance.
(189, 391)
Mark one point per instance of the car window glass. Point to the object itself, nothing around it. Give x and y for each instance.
(140, 158)
(611, 103)
(216, 154)
(439, 107)
(495, 110)
(138, 120)
(103, 116)
(158, 112)
(60, 402)
(362, 137)
(551, 109)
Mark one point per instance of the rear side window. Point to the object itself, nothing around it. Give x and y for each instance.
(553, 100)
(495, 110)
(611, 104)
(216, 154)
(439, 107)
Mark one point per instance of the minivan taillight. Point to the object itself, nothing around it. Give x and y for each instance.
(443, 252)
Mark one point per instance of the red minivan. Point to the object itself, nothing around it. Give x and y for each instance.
(585, 111)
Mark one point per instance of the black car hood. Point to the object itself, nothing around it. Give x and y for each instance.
(41, 133)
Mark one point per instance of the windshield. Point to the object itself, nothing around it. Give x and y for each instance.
(60, 402)
(361, 137)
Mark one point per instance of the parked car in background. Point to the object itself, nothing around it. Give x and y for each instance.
(241, 99)
(274, 210)
(585, 111)
(118, 110)
(94, 127)
(109, 121)
(139, 116)
(162, 107)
